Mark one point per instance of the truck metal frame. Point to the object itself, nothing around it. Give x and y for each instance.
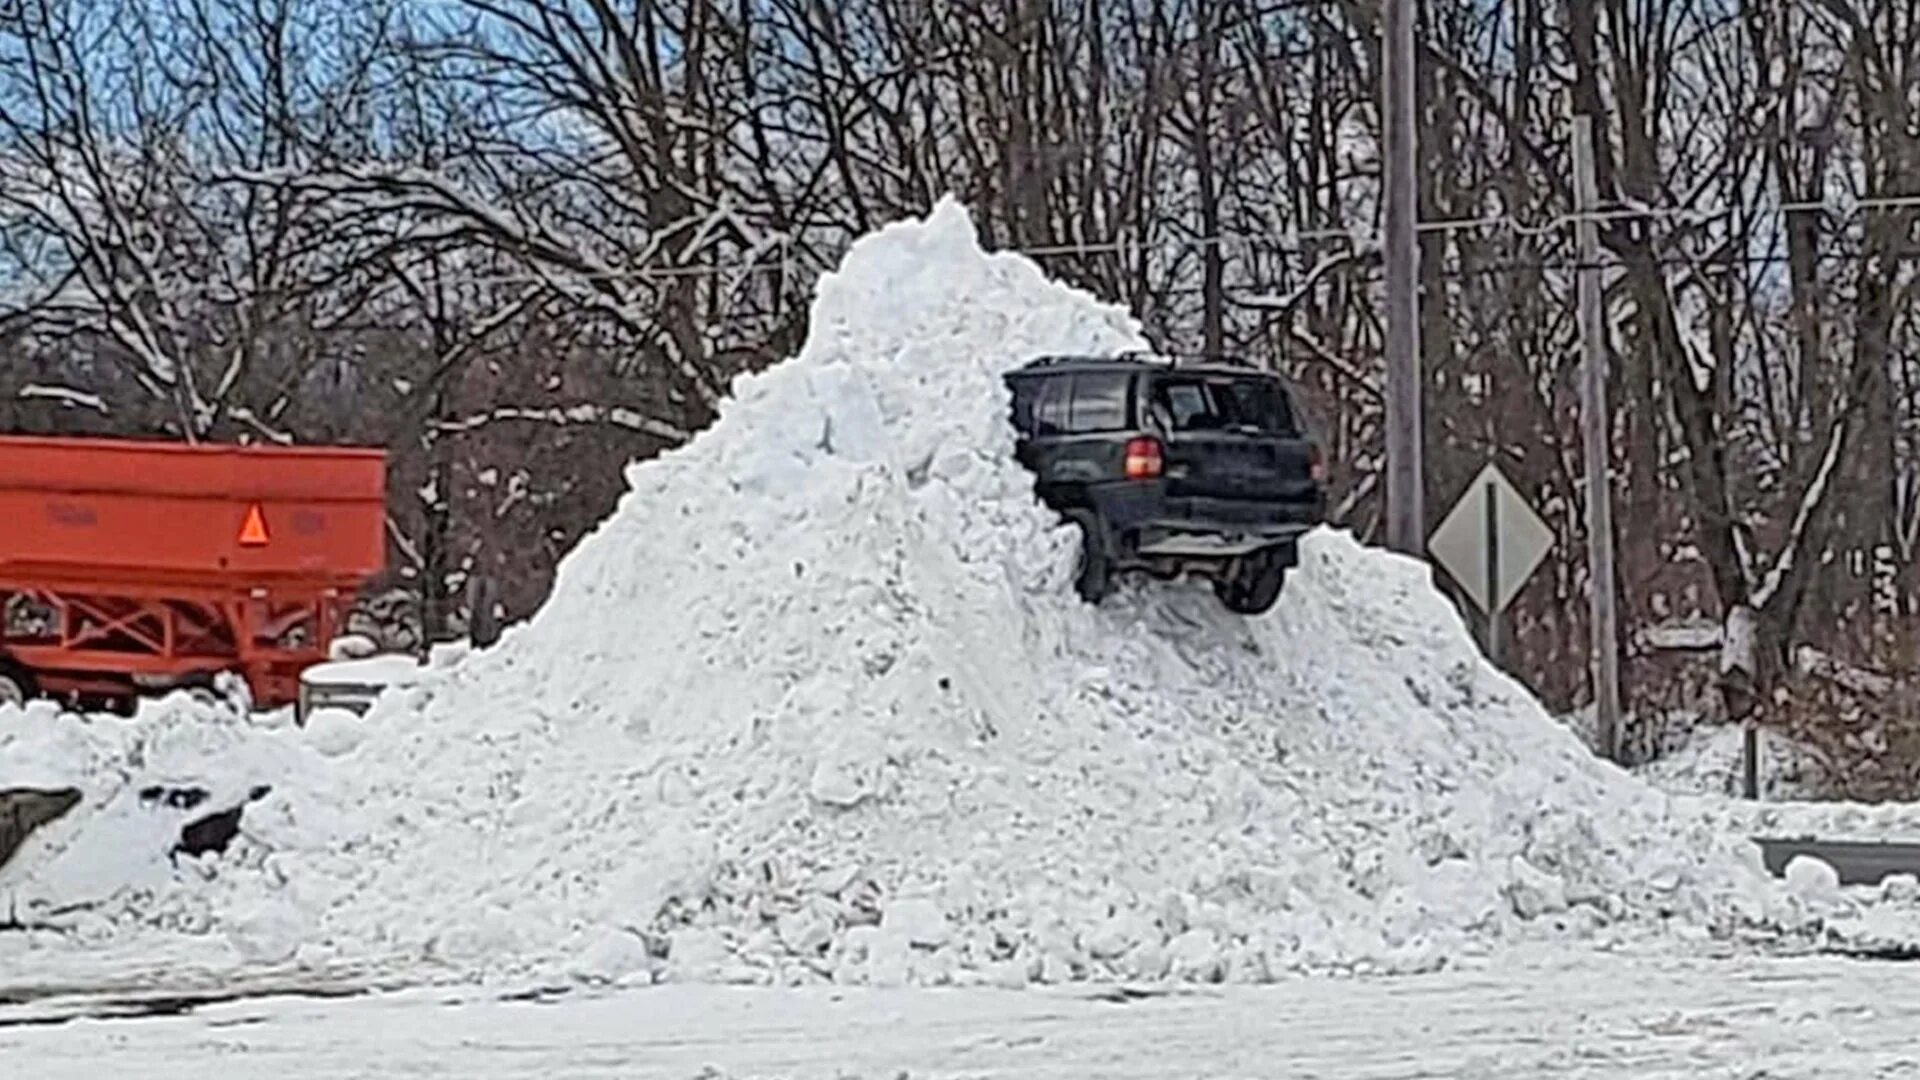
(128, 566)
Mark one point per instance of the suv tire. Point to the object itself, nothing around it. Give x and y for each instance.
(1093, 571)
(1252, 583)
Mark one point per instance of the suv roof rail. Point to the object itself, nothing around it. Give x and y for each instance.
(1170, 359)
(1174, 359)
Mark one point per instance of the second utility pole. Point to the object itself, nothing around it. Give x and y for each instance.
(1406, 512)
(1596, 420)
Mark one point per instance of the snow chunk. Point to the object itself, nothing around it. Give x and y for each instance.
(917, 921)
(335, 732)
(1195, 957)
(368, 671)
(352, 647)
(1534, 892)
(1813, 879)
(1900, 889)
(614, 957)
(697, 955)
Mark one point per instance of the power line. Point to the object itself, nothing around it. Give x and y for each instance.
(1664, 262)
(1300, 237)
(1476, 269)
(1285, 243)
(1118, 247)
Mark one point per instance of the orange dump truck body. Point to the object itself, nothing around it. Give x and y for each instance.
(148, 564)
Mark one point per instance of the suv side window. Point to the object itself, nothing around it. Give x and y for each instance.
(1178, 404)
(1100, 402)
(1077, 404)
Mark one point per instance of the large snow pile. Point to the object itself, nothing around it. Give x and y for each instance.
(819, 702)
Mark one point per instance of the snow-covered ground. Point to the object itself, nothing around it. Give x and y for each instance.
(817, 704)
(1710, 762)
(1533, 1017)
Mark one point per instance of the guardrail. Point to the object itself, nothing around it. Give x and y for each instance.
(1858, 862)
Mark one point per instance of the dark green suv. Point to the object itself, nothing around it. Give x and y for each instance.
(1172, 468)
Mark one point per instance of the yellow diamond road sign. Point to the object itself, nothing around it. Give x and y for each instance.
(1465, 543)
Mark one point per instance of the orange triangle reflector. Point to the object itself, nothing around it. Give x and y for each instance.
(254, 532)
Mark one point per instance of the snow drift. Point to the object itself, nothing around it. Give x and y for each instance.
(818, 702)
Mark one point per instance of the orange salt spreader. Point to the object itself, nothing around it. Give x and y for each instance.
(131, 566)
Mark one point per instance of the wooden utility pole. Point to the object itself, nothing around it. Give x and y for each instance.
(1595, 422)
(1406, 514)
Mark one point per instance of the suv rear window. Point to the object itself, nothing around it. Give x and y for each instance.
(1222, 403)
(1074, 404)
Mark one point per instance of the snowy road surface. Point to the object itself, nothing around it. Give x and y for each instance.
(1595, 1016)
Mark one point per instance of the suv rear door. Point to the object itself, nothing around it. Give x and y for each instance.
(1229, 436)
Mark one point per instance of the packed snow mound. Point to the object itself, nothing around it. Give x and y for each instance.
(818, 702)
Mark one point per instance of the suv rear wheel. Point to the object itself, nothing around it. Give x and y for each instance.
(1093, 571)
(1252, 582)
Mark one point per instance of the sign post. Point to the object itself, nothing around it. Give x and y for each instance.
(1490, 497)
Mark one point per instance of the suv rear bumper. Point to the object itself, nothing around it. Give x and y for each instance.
(1148, 522)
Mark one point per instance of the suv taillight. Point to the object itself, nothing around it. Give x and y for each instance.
(1144, 458)
(1318, 466)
